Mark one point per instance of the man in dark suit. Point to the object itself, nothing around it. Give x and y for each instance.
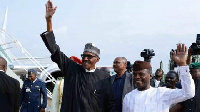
(122, 81)
(9, 90)
(30, 99)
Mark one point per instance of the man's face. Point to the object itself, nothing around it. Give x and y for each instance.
(142, 79)
(195, 73)
(119, 65)
(89, 60)
(31, 77)
(159, 73)
(171, 80)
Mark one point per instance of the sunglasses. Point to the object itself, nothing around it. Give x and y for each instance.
(87, 55)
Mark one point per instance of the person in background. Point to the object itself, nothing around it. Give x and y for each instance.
(171, 79)
(157, 80)
(30, 98)
(122, 82)
(193, 104)
(9, 90)
(148, 99)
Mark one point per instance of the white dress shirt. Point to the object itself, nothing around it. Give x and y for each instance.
(160, 99)
(93, 70)
(157, 83)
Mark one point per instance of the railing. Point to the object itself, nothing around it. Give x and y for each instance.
(11, 43)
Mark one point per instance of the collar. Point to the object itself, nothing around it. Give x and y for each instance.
(146, 89)
(1, 70)
(157, 81)
(122, 76)
(90, 70)
(34, 80)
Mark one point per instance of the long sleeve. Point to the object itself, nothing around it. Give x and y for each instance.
(159, 99)
(57, 56)
(22, 95)
(16, 105)
(172, 96)
(44, 94)
(196, 105)
(111, 107)
(49, 40)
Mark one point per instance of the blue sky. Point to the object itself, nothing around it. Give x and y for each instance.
(117, 27)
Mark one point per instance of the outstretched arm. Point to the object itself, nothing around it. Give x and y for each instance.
(49, 39)
(50, 10)
(180, 57)
(172, 96)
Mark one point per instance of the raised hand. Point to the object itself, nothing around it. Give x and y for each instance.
(50, 10)
(180, 55)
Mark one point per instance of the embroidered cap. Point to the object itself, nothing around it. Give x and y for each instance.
(89, 47)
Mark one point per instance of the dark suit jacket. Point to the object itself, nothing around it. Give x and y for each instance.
(128, 84)
(9, 93)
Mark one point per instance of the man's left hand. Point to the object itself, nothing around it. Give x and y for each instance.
(180, 55)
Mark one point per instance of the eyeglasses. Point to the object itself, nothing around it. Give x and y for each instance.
(87, 55)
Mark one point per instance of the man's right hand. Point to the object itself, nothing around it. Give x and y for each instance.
(50, 10)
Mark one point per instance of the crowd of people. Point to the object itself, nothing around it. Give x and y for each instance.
(89, 89)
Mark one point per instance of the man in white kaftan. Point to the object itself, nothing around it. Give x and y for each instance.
(148, 99)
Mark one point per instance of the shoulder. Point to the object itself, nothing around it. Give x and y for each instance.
(133, 92)
(102, 73)
(16, 82)
(129, 75)
(113, 76)
(163, 90)
(40, 81)
(26, 80)
(11, 78)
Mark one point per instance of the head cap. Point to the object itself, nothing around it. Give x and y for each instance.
(89, 47)
(194, 65)
(140, 65)
(32, 71)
